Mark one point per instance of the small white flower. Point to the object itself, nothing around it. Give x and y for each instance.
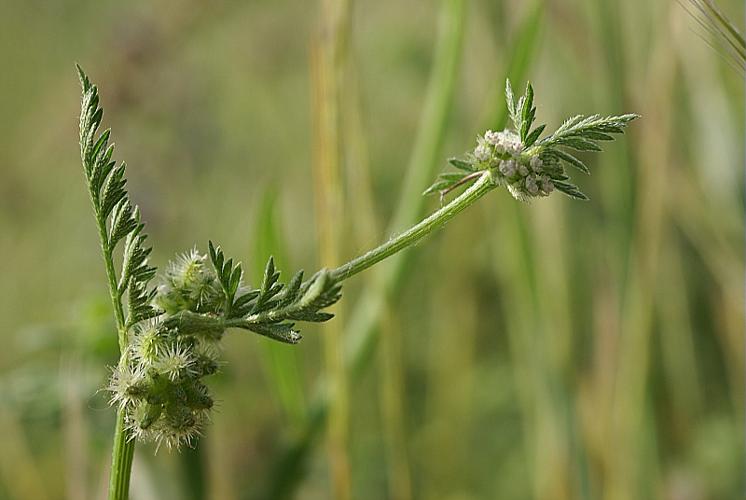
(511, 142)
(504, 142)
(482, 152)
(523, 170)
(492, 137)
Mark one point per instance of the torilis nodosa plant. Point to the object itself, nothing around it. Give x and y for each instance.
(170, 333)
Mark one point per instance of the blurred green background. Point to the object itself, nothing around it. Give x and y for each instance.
(558, 350)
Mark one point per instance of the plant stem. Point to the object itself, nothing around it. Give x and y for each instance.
(121, 461)
(479, 188)
(483, 185)
(124, 447)
(111, 275)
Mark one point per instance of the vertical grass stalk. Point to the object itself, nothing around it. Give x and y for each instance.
(422, 166)
(328, 65)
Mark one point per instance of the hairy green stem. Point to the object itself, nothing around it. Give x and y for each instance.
(124, 447)
(121, 461)
(111, 275)
(483, 185)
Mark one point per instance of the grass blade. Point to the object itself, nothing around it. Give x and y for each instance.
(280, 360)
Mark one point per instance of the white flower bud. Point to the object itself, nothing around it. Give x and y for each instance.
(536, 164)
(546, 185)
(492, 137)
(523, 170)
(508, 168)
(531, 186)
(504, 142)
(482, 152)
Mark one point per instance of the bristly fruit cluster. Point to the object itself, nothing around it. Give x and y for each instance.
(160, 381)
(170, 335)
(528, 166)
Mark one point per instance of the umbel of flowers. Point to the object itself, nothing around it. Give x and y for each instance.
(528, 165)
(524, 175)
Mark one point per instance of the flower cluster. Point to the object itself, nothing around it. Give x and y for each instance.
(503, 154)
(159, 381)
(527, 164)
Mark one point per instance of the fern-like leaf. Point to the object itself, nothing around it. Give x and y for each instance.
(583, 133)
(273, 307)
(118, 219)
